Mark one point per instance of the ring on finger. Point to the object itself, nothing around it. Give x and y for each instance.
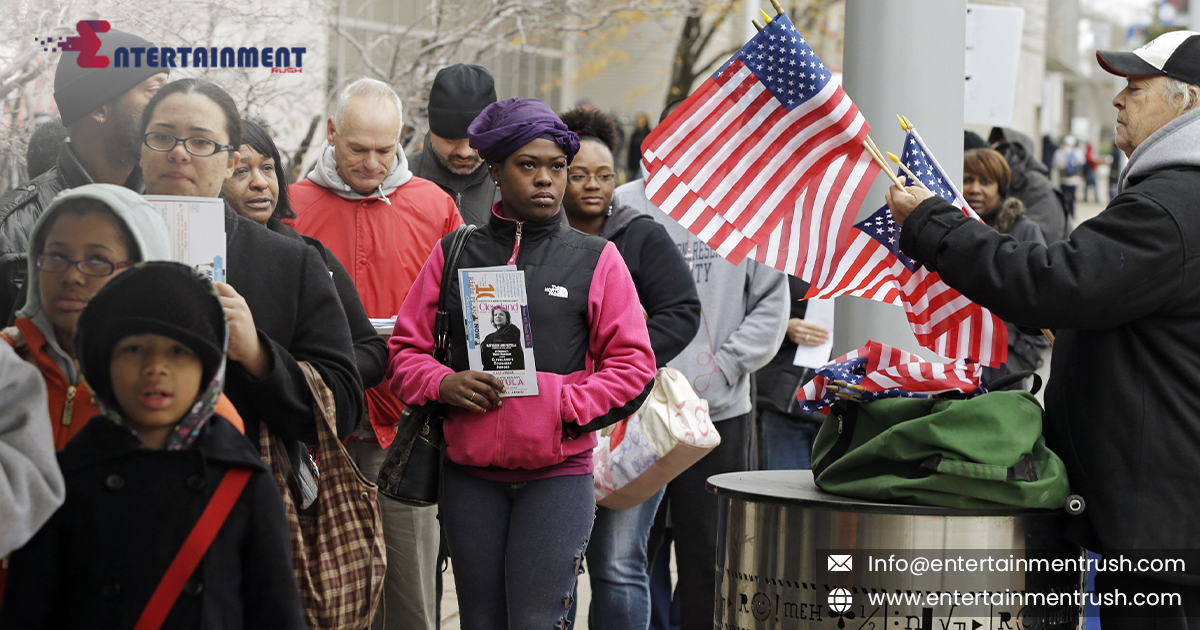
(807, 337)
(473, 395)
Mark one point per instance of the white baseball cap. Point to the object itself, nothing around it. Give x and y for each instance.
(1175, 54)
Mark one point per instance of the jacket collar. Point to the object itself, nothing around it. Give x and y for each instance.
(431, 168)
(531, 231)
(103, 440)
(74, 175)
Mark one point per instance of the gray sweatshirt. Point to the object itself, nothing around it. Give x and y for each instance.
(31, 485)
(743, 318)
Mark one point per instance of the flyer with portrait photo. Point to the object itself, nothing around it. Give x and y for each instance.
(496, 316)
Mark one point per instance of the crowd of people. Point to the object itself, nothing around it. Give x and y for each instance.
(154, 383)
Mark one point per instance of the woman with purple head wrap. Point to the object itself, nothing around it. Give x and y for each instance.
(517, 497)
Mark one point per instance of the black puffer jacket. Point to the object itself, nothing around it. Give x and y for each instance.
(20, 209)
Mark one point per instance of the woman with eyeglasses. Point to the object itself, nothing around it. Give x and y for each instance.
(616, 555)
(280, 304)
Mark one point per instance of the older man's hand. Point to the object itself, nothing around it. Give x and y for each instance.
(902, 201)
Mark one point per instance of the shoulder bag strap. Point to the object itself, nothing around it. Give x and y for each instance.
(441, 325)
(194, 548)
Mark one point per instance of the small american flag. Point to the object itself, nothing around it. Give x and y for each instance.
(887, 372)
(765, 159)
(873, 267)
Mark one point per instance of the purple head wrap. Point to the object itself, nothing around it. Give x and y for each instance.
(505, 126)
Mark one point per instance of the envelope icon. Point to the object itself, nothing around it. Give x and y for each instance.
(840, 562)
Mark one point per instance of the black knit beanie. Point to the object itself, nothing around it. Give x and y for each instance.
(80, 91)
(164, 298)
(459, 93)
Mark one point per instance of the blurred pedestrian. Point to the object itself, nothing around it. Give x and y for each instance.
(459, 93)
(1070, 163)
(1091, 165)
(633, 160)
(101, 108)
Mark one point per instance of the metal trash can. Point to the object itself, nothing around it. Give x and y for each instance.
(790, 556)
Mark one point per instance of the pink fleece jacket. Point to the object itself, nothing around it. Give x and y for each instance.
(527, 432)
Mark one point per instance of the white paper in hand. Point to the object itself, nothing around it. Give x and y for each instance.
(817, 312)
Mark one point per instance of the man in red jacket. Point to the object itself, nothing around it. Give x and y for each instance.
(362, 202)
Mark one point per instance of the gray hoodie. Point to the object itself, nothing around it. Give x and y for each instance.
(31, 485)
(144, 223)
(325, 175)
(1172, 146)
(743, 320)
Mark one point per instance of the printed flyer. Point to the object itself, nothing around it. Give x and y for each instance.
(496, 316)
(196, 229)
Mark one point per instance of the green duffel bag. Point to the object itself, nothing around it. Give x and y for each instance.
(984, 452)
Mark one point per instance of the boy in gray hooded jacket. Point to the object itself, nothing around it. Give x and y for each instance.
(744, 314)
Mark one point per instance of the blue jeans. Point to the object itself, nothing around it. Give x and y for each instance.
(617, 562)
(787, 442)
(516, 547)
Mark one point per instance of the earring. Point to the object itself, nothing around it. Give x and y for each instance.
(496, 182)
(609, 212)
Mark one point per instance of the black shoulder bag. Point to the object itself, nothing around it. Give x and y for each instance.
(412, 470)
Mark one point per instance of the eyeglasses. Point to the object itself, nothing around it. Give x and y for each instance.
(53, 263)
(199, 147)
(603, 178)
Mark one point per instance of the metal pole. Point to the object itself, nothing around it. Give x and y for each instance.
(902, 58)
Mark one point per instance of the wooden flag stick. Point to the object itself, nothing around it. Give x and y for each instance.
(756, 24)
(917, 180)
(870, 147)
(778, 8)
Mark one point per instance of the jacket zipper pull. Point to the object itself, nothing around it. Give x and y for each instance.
(68, 406)
(458, 200)
(517, 244)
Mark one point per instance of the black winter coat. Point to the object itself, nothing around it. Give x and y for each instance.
(21, 207)
(474, 194)
(370, 350)
(299, 318)
(128, 511)
(778, 380)
(1123, 400)
(665, 285)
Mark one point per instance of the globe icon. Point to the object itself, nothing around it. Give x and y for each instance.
(839, 600)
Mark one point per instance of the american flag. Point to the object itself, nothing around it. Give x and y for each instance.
(887, 372)
(872, 266)
(765, 159)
